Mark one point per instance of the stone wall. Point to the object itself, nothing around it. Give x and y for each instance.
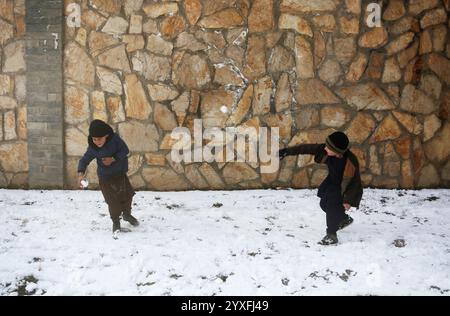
(13, 110)
(308, 67)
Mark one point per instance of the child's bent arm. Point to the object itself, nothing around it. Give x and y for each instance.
(85, 161)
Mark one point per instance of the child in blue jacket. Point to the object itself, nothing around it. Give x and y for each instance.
(111, 154)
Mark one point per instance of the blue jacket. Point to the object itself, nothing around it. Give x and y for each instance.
(114, 147)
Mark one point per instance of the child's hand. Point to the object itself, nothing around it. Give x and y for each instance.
(107, 161)
(347, 206)
(80, 178)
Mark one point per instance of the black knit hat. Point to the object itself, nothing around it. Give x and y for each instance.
(338, 142)
(99, 128)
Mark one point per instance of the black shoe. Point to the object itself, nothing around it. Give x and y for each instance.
(131, 219)
(346, 222)
(329, 239)
(116, 226)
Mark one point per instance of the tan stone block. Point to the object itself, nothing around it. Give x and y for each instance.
(227, 18)
(78, 66)
(216, 107)
(415, 101)
(164, 118)
(242, 108)
(92, 20)
(116, 26)
(433, 17)
(107, 6)
(262, 95)
(441, 66)
(296, 23)
(173, 26)
(405, 56)
(418, 6)
(109, 81)
(392, 72)
(395, 10)
(237, 172)
(307, 117)
(283, 95)
(375, 38)
(281, 59)
(430, 126)
(6, 85)
(14, 60)
(349, 26)
(193, 9)
(312, 91)
(76, 102)
(426, 45)
(319, 49)
(226, 75)
(99, 41)
(361, 128)
(334, 116)
(366, 96)
(345, 49)
(399, 43)
(212, 177)
(160, 92)
(440, 38)
(164, 179)
(330, 71)
(428, 177)
(261, 18)
(304, 58)
(133, 42)
(357, 68)
(305, 6)
(191, 71)
(135, 24)
(115, 109)
(353, 6)
(134, 132)
(325, 22)
(115, 58)
(410, 122)
(375, 67)
(155, 10)
(22, 130)
(10, 125)
(14, 157)
(255, 62)
(137, 105)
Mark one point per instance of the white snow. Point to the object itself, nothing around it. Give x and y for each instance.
(256, 243)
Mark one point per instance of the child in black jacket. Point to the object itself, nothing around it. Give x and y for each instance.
(342, 188)
(111, 154)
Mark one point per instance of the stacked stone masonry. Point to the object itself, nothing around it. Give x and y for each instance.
(307, 67)
(13, 109)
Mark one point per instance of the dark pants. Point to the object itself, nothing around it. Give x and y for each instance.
(334, 208)
(118, 194)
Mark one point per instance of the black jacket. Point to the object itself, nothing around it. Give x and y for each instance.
(343, 174)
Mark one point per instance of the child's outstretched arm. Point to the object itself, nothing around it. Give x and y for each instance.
(304, 149)
(83, 164)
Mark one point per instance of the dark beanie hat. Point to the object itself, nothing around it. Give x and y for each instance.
(337, 142)
(99, 128)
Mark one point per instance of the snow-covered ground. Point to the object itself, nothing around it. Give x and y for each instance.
(224, 243)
